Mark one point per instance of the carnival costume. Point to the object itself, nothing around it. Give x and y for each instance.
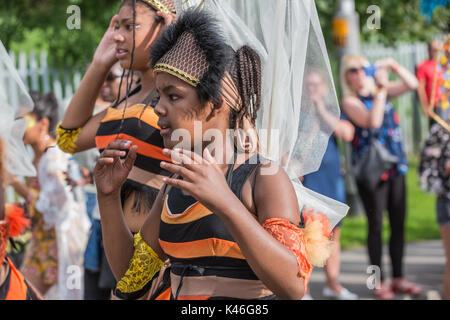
(206, 261)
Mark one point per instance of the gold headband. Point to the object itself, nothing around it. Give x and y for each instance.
(166, 6)
(185, 60)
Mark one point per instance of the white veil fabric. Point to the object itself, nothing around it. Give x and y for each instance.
(293, 132)
(15, 102)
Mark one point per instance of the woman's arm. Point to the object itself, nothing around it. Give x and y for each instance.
(110, 173)
(345, 131)
(357, 112)
(272, 262)
(423, 98)
(21, 188)
(79, 114)
(408, 80)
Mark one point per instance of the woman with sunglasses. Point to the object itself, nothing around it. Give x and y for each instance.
(367, 92)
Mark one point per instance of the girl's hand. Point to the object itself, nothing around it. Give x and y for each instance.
(111, 171)
(105, 55)
(202, 178)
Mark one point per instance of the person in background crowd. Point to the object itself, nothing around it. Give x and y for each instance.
(434, 172)
(426, 74)
(59, 223)
(13, 285)
(98, 278)
(367, 92)
(329, 181)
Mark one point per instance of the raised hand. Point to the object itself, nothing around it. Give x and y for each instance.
(105, 54)
(111, 171)
(202, 178)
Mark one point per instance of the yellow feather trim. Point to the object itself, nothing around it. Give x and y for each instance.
(318, 244)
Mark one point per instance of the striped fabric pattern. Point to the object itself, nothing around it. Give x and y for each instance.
(206, 260)
(140, 125)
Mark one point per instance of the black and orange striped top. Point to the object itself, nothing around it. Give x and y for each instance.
(207, 263)
(141, 127)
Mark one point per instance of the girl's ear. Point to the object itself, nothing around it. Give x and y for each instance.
(215, 107)
(220, 105)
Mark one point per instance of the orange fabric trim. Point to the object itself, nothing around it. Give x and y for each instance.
(195, 212)
(144, 148)
(165, 295)
(292, 238)
(194, 297)
(17, 287)
(211, 247)
(149, 116)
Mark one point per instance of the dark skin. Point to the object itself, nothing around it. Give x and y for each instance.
(117, 45)
(204, 179)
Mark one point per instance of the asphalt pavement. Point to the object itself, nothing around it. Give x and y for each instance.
(424, 264)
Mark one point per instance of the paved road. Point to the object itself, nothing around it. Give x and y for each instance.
(424, 265)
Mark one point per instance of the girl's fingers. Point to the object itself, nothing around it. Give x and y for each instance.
(111, 153)
(119, 145)
(132, 155)
(105, 161)
(197, 159)
(178, 157)
(179, 170)
(177, 183)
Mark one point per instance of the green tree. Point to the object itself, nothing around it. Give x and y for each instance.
(41, 25)
(401, 20)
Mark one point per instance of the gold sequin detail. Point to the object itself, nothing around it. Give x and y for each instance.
(67, 138)
(143, 267)
(166, 6)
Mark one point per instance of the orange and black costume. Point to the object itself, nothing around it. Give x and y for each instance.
(13, 285)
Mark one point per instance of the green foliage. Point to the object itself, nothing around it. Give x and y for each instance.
(41, 25)
(401, 20)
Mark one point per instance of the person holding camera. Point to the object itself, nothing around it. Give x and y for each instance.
(367, 92)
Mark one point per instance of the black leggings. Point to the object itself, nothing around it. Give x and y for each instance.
(390, 195)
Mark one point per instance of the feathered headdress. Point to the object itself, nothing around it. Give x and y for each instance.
(193, 50)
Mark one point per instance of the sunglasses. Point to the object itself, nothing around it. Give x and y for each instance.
(354, 70)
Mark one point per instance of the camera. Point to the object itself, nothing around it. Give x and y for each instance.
(370, 70)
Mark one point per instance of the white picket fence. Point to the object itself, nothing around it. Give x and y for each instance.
(37, 75)
(408, 55)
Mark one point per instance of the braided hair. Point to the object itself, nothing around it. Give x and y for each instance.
(129, 83)
(247, 76)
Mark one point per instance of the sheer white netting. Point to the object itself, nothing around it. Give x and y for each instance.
(293, 131)
(15, 102)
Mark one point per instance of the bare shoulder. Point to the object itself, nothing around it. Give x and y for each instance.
(275, 195)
